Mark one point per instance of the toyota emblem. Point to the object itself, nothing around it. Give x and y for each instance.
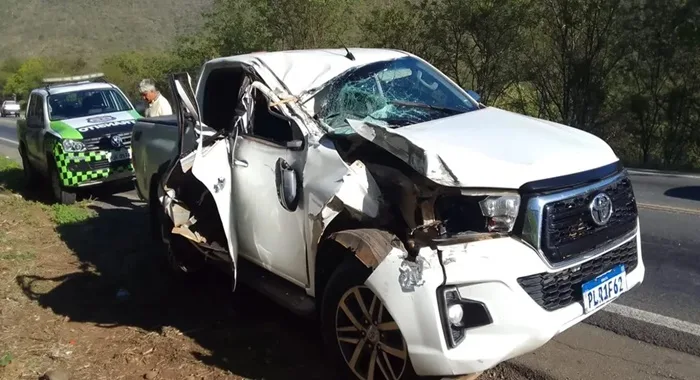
(601, 209)
(116, 141)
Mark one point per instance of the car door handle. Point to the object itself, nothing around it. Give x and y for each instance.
(241, 163)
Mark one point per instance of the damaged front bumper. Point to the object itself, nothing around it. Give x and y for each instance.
(513, 302)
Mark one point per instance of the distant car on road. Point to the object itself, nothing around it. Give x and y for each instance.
(76, 133)
(9, 107)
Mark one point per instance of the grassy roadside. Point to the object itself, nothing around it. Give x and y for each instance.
(27, 243)
(80, 293)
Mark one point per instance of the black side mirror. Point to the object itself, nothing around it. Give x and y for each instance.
(140, 107)
(287, 185)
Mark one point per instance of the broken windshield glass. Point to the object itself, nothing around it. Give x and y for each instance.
(392, 93)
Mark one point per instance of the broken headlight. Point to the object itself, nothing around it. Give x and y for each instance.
(477, 213)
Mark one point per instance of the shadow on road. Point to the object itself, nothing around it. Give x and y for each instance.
(245, 333)
(686, 192)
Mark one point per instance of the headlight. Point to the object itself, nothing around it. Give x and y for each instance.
(478, 213)
(73, 146)
(501, 211)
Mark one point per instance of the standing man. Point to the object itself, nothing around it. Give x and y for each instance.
(157, 104)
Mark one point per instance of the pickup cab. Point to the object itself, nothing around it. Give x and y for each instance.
(429, 234)
(76, 134)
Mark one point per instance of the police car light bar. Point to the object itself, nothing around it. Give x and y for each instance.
(73, 79)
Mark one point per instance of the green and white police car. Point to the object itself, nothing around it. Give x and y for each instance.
(76, 133)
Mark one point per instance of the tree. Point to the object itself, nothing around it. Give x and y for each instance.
(575, 50)
(27, 77)
(126, 70)
(305, 24)
(479, 43)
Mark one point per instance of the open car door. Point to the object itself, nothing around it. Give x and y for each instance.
(208, 155)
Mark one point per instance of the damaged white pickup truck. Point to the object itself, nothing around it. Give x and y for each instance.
(430, 234)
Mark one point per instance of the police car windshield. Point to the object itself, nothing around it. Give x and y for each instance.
(71, 105)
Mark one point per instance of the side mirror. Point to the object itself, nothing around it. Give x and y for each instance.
(287, 185)
(140, 107)
(474, 95)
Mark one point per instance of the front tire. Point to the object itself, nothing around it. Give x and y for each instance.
(180, 256)
(60, 194)
(358, 331)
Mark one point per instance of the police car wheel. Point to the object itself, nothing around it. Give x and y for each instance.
(59, 193)
(30, 175)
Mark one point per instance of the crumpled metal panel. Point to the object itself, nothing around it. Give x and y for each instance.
(427, 163)
(370, 245)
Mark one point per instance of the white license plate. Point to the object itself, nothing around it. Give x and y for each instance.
(119, 155)
(604, 289)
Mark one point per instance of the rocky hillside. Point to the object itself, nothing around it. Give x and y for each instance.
(92, 28)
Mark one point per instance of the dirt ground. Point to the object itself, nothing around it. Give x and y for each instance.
(83, 291)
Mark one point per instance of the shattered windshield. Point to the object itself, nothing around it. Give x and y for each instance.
(394, 93)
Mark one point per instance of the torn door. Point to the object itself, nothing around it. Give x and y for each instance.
(211, 164)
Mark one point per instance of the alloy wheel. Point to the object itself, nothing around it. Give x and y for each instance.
(370, 340)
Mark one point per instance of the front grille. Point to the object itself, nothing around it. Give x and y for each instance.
(102, 164)
(568, 229)
(554, 291)
(103, 143)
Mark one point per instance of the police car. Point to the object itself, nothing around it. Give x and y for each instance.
(76, 134)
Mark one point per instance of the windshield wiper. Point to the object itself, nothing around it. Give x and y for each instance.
(427, 106)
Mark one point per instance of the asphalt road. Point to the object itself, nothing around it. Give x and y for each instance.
(669, 299)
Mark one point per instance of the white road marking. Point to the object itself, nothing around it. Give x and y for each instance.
(10, 141)
(653, 318)
(658, 173)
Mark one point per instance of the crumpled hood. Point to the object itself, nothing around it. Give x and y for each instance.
(95, 125)
(491, 148)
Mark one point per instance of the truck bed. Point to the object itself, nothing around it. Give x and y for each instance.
(154, 143)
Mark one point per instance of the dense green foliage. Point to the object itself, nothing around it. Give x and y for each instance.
(626, 70)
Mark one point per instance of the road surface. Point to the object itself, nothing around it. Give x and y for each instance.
(664, 311)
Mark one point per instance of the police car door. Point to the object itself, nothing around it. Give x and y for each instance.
(36, 128)
(212, 157)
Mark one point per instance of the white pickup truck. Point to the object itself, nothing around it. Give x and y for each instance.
(430, 235)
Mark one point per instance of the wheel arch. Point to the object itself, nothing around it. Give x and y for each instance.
(347, 237)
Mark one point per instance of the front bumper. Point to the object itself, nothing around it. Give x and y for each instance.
(82, 169)
(488, 272)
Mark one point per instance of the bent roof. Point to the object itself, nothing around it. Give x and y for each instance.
(301, 70)
(64, 88)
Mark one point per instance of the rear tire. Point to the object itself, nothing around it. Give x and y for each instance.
(359, 342)
(60, 194)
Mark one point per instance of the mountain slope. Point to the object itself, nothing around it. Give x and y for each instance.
(93, 28)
